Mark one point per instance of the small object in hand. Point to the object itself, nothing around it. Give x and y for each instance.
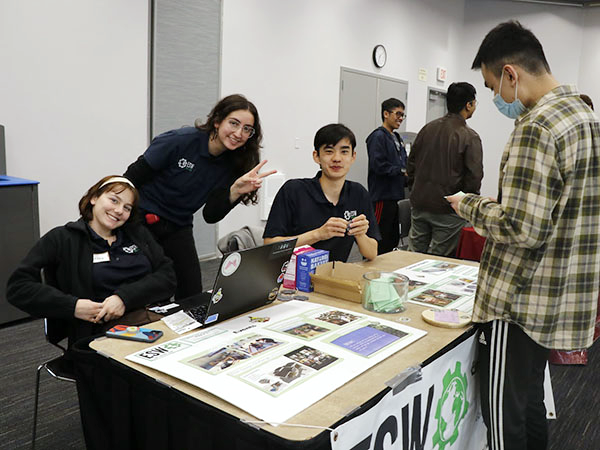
(461, 193)
(349, 216)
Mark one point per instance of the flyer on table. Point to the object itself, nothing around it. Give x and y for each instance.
(441, 284)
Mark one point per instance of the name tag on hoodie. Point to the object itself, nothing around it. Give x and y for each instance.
(101, 257)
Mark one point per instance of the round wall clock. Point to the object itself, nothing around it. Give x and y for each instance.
(379, 56)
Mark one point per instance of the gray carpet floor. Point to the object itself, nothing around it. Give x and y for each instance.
(59, 427)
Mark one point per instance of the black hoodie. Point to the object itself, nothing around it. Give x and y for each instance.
(66, 251)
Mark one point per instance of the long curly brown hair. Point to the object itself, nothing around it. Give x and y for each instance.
(244, 158)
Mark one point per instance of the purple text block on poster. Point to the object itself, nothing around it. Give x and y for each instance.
(365, 341)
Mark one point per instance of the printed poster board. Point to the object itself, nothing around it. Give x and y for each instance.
(290, 356)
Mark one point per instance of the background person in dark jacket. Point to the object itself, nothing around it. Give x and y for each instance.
(102, 266)
(387, 172)
(445, 158)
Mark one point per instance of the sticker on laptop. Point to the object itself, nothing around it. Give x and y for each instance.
(231, 264)
(273, 294)
(282, 247)
(283, 271)
(212, 318)
(216, 298)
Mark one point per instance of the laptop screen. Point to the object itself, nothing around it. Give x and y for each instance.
(248, 279)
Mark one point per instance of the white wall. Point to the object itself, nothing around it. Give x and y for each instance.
(590, 60)
(558, 28)
(73, 94)
(286, 58)
(73, 84)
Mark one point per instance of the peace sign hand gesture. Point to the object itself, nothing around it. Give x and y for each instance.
(248, 182)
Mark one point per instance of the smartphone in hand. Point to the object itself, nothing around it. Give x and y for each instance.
(134, 333)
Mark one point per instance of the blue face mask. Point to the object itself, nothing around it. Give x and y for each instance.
(510, 110)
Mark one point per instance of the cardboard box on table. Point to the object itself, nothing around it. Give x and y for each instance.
(340, 280)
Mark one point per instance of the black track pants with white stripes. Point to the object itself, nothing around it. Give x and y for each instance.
(511, 380)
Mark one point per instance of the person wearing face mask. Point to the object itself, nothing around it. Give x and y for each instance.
(214, 164)
(445, 158)
(387, 172)
(540, 268)
(101, 270)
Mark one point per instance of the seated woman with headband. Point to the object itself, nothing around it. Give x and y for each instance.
(102, 268)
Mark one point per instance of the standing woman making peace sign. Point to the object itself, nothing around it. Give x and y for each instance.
(214, 164)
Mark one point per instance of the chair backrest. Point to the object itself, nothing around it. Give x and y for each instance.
(242, 239)
(404, 217)
(54, 329)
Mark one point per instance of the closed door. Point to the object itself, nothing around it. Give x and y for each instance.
(436, 104)
(361, 95)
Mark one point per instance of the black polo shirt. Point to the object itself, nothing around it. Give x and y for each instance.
(301, 206)
(113, 265)
(186, 174)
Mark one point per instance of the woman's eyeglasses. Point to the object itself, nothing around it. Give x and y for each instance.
(247, 130)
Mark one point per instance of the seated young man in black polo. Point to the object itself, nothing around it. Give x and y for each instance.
(327, 211)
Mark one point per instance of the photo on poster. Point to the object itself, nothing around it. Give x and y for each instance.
(438, 267)
(255, 344)
(465, 286)
(311, 357)
(435, 297)
(337, 317)
(414, 284)
(276, 376)
(216, 361)
(306, 330)
(369, 339)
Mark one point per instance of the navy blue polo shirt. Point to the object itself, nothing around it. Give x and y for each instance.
(301, 206)
(113, 265)
(187, 173)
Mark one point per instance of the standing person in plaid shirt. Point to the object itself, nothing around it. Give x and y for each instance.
(540, 268)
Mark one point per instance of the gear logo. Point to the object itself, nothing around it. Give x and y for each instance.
(451, 408)
(349, 215)
(185, 164)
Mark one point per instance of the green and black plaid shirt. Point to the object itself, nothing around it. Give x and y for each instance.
(540, 266)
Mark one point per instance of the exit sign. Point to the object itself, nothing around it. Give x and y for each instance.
(441, 74)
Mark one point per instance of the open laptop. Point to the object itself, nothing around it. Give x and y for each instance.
(246, 280)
